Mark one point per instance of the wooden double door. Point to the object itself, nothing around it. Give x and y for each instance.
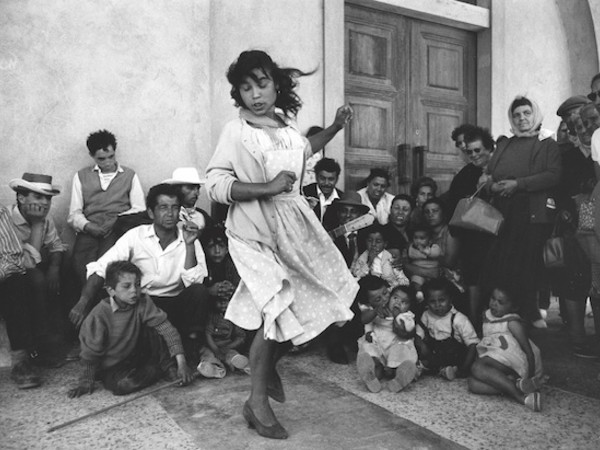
(410, 83)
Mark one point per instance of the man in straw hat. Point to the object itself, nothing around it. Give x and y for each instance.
(189, 183)
(15, 307)
(37, 232)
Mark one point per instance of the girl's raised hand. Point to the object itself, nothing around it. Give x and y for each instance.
(343, 115)
(283, 182)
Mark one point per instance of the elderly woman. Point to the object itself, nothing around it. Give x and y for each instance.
(374, 195)
(521, 174)
(479, 146)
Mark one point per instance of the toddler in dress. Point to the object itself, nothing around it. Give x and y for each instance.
(508, 361)
(387, 349)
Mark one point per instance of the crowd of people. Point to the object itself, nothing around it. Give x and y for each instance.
(155, 286)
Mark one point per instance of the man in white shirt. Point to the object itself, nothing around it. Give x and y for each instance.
(100, 194)
(323, 193)
(171, 260)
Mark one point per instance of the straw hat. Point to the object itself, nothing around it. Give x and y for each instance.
(35, 182)
(185, 175)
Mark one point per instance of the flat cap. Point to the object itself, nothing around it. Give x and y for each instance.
(572, 102)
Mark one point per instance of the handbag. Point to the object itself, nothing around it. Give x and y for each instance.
(554, 250)
(473, 213)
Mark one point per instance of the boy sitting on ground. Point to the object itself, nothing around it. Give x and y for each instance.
(126, 341)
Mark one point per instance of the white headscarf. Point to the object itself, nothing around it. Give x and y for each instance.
(537, 119)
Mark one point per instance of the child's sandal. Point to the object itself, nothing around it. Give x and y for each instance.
(533, 401)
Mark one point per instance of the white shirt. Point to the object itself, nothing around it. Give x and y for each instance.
(191, 215)
(163, 274)
(382, 211)
(439, 327)
(596, 146)
(326, 202)
(136, 197)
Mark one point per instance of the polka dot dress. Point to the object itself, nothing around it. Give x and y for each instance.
(303, 286)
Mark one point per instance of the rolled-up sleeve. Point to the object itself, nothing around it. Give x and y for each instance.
(196, 274)
(118, 252)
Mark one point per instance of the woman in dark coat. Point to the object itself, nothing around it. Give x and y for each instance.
(521, 175)
(474, 245)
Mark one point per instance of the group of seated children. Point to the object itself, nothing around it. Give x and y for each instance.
(399, 347)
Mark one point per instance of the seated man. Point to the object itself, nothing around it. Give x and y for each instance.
(15, 305)
(36, 230)
(188, 182)
(323, 193)
(101, 193)
(171, 260)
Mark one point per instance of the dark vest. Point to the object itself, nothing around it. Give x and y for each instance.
(102, 207)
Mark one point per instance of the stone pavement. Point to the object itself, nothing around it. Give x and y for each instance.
(327, 408)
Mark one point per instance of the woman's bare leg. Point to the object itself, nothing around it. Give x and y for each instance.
(261, 364)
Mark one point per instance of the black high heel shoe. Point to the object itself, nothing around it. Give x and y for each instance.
(275, 431)
(275, 388)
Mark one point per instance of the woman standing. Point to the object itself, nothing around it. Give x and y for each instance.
(474, 245)
(374, 195)
(522, 171)
(294, 282)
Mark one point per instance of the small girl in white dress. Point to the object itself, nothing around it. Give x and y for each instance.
(508, 361)
(387, 347)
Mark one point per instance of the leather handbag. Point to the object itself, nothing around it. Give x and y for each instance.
(554, 250)
(473, 213)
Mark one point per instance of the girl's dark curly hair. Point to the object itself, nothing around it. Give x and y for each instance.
(284, 79)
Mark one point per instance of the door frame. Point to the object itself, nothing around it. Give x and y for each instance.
(451, 12)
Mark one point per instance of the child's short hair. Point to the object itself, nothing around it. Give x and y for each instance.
(376, 228)
(419, 227)
(440, 284)
(213, 234)
(369, 283)
(509, 293)
(115, 269)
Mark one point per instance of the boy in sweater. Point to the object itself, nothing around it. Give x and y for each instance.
(126, 341)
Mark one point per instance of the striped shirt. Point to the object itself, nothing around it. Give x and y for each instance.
(11, 250)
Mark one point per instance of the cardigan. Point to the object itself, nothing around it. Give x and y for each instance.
(545, 169)
(238, 158)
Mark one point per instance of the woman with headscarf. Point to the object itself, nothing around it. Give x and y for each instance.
(519, 177)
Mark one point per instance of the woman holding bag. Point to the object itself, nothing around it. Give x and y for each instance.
(521, 174)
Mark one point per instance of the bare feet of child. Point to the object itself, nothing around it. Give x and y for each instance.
(366, 370)
(405, 374)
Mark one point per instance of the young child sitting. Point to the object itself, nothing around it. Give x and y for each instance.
(222, 278)
(422, 253)
(447, 339)
(223, 340)
(376, 260)
(508, 362)
(127, 341)
(387, 347)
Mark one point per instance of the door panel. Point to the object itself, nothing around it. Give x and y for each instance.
(376, 89)
(442, 94)
(410, 83)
